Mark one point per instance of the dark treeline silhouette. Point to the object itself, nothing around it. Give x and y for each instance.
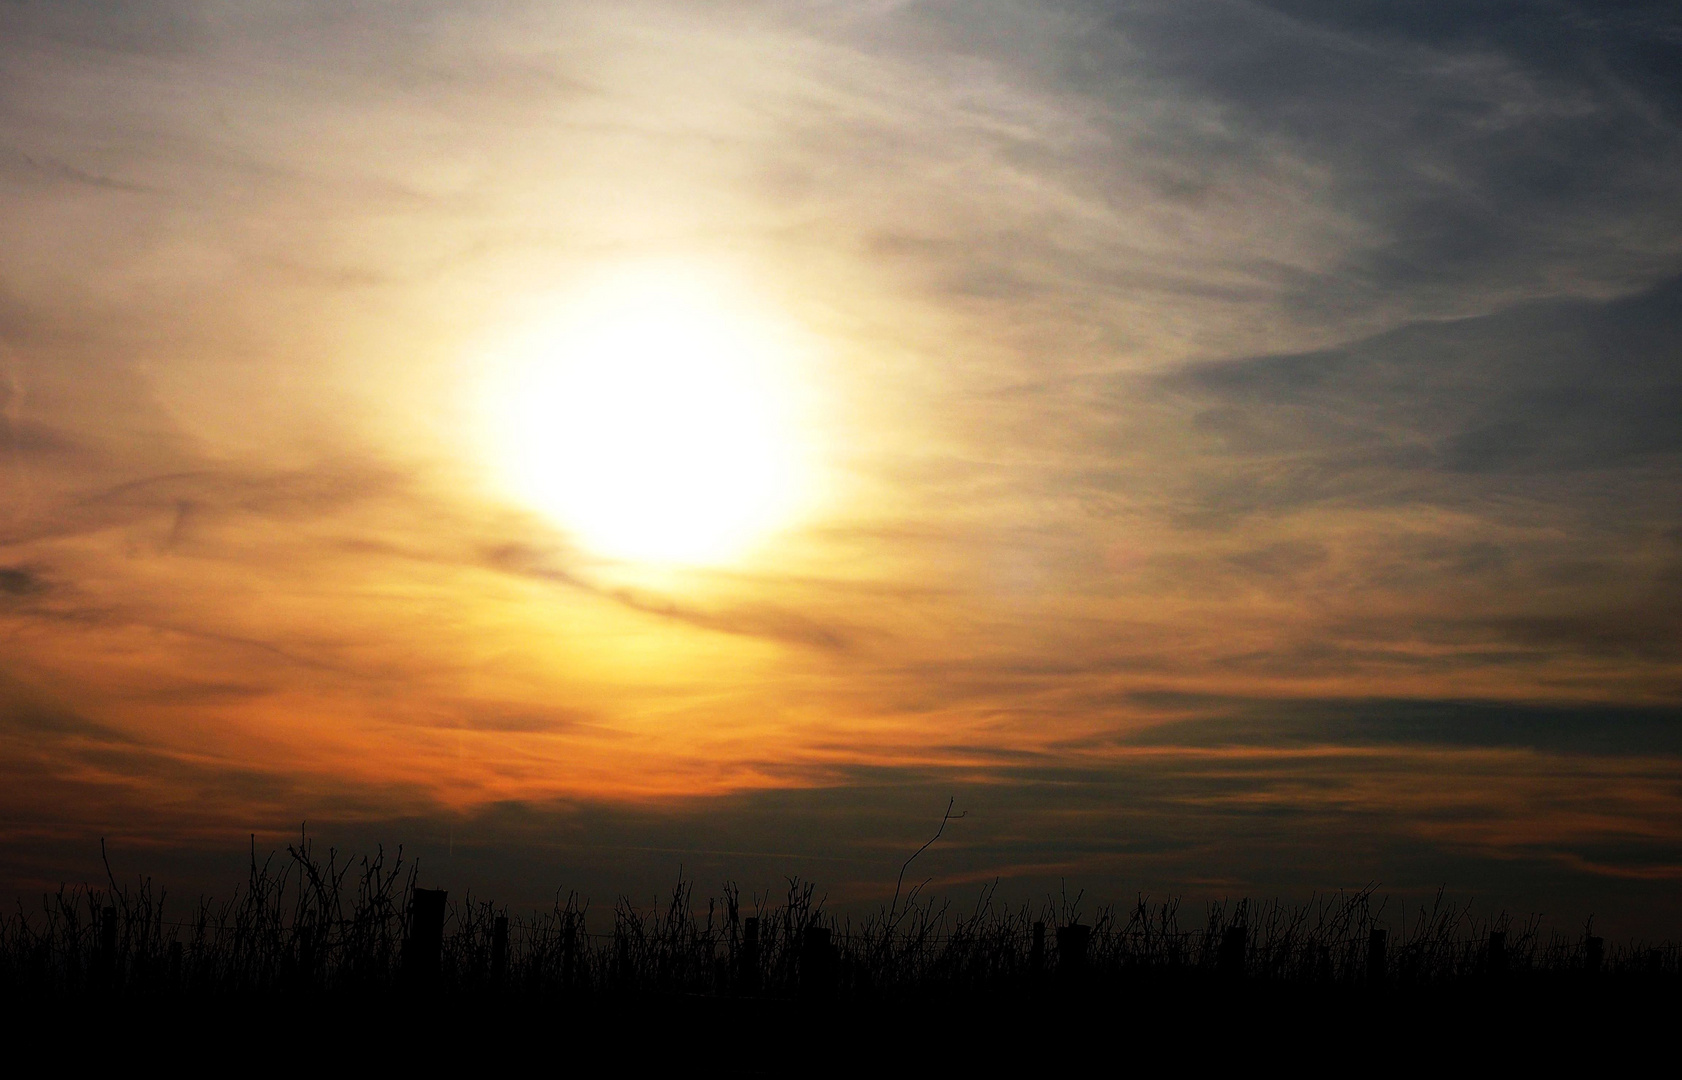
(304, 923)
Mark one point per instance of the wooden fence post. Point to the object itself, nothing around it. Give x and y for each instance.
(1594, 954)
(175, 974)
(1317, 961)
(304, 974)
(499, 950)
(569, 951)
(1378, 960)
(1036, 950)
(1072, 941)
(424, 948)
(108, 947)
(1496, 958)
(749, 974)
(1230, 960)
(817, 964)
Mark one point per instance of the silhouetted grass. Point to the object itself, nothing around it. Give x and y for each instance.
(305, 923)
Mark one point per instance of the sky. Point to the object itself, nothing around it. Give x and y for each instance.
(1228, 447)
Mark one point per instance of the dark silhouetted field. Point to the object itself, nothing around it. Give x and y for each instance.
(354, 941)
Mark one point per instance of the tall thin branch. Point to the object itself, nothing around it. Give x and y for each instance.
(948, 816)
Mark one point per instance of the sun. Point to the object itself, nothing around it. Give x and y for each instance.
(654, 416)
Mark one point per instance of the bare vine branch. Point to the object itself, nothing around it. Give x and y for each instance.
(948, 816)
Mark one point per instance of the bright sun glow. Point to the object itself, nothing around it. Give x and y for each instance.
(654, 419)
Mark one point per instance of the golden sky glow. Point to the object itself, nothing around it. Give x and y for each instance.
(415, 412)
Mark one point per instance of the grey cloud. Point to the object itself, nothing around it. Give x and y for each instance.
(544, 719)
(1649, 630)
(20, 581)
(751, 620)
(1441, 411)
(171, 27)
(1198, 824)
(1477, 140)
(22, 712)
(64, 774)
(1603, 729)
(1451, 162)
(1638, 40)
(1509, 622)
(1420, 564)
(1280, 560)
(196, 490)
(15, 164)
(29, 443)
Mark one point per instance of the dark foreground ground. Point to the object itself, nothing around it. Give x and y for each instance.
(1538, 1024)
(331, 965)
